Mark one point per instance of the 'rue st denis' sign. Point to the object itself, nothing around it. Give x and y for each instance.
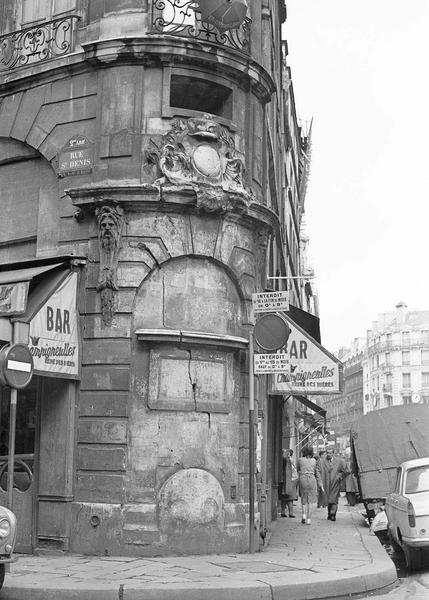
(77, 157)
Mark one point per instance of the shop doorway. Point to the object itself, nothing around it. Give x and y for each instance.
(26, 441)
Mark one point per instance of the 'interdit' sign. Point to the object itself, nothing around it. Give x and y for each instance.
(270, 301)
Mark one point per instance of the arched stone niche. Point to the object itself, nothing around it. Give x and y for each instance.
(189, 293)
(191, 508)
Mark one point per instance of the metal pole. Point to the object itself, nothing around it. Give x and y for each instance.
(11, 457)
(294, 277)
(251, 447)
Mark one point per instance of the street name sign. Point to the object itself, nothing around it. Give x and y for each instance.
(270, 301)
(271, 363)
(77, 157)
(16, 366)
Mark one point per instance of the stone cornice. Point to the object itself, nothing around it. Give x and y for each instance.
(140, 197)
(147, 50)
(183, 51)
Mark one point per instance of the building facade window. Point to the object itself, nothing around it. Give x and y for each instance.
(425, 379)
(425, 336)
(387, 358)
(45, 10)
(406, 380)
(425, 357)
(193, 93)
(405, 338)
(405, 357)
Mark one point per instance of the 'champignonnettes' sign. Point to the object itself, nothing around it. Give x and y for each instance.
(13, 298)
(77, 157)
(312, 369)
(54, 339)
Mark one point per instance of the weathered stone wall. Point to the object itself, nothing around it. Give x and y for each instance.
(161, 422)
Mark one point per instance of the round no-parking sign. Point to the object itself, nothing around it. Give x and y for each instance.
(16, 366)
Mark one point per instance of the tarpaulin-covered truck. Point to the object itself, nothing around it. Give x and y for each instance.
(380, 441)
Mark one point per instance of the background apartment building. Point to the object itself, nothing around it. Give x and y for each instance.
(389, 367)
(396, 361)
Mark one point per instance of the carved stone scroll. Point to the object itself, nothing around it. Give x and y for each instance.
(110, 219)
(201, 153)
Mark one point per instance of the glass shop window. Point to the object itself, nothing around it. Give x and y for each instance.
(192, 93)
(25, 420)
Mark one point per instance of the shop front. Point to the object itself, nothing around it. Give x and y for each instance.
(296, 420)
(38, 308)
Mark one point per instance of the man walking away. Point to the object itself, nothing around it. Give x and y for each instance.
(332, 471)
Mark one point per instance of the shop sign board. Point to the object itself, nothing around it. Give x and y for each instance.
(270, 301)
(54, 337)
(16, 366)
(77, 157)
(13, 298)
(312, 369)
(271, 363)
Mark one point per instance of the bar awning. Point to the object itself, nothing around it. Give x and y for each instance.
(309, 404)
(25, 274)
(310, 323)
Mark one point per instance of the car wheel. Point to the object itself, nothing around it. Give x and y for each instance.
(2, 571)
(413, 557)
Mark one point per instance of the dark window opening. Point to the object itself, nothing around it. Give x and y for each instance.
(196, 94)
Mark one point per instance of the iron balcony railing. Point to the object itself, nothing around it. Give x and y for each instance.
(41, 42)
(183, 18)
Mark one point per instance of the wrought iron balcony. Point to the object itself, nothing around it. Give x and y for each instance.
(183, 18)
(38, 43)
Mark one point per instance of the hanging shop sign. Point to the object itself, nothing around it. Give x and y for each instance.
(54, 338)
(312, 369)
(13, 298)
(77, 157)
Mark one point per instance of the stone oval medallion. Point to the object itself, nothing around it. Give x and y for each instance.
(207, 161)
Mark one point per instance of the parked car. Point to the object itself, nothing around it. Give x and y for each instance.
(7, 540)
(407, 509)
(380, 441)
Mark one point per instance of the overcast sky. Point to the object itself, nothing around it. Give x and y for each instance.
(360, 70)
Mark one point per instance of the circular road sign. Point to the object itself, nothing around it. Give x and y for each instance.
(271, 332)
(16, 366)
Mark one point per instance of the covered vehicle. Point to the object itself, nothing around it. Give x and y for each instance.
(407, 509)
(382, 440)
(7, 540)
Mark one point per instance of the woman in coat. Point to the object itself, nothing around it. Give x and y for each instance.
(309, 481)
(288, 487)
(332, 470)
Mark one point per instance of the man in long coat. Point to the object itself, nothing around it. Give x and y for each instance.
(332, 470)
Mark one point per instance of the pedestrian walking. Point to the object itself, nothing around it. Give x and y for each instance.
(319, 491)
(332, 470)
(309, 482)
(289, 484)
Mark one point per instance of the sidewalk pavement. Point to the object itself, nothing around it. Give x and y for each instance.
(300, 562)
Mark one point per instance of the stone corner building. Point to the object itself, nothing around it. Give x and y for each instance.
(152, 176)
